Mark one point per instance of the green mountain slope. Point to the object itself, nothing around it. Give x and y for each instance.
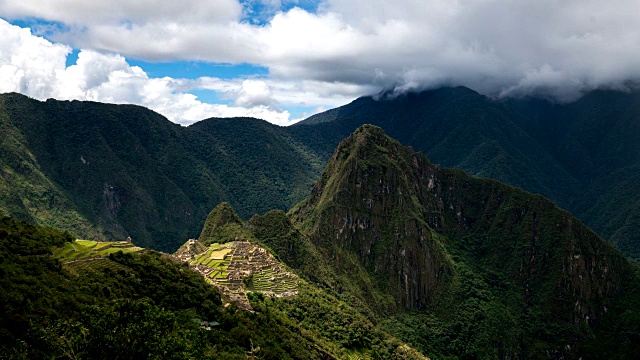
(66, 304)
(26, 191)
(457, 127)
(496, 270)
(583, 155)
(595, 139)
(112, 171)
(394, 254)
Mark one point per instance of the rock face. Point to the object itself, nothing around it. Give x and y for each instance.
(365, 204)
(408, 222)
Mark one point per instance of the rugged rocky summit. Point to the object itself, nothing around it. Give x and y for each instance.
(365, 204)
(419, 230)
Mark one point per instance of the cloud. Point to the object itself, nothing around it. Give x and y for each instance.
(552, 48)
(84, 12)
(36, 67)
(255, 93)
(28, 63)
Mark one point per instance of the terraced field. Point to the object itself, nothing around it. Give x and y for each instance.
(89, 250)
(239, 267)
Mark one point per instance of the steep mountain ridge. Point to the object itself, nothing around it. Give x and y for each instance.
(387, 246)
(111, 171)
(457, 127)
(582, 155)
(424, 234)
(364, 204)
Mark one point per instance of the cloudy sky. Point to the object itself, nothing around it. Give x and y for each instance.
(283, 60)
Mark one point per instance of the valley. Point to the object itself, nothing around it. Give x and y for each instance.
(319, 180)
(389, 255)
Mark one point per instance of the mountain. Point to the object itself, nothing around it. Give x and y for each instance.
(389, 256)
(582, 155)
(496, 271)
(81, 299)
(108, 172)
(111, 171)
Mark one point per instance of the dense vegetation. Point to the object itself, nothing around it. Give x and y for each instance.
(486, 270)
(582, 155)
(392, 250)
(146, 306)
(111, 171)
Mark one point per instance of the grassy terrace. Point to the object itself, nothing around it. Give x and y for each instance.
(74, 252)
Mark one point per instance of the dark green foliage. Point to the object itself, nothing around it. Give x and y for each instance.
(274, 229)
(457, 127)
(40, 299)
(496, 272)
(458, 267)
(363, 215)
(126, 330)
(27, 271)
(222, 225)
(618, 332)
(473, 323)
(107, 171)
(149, 307)
(583, 155)
(334, 322)
(111, 171)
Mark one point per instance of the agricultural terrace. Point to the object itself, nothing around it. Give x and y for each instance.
(240, 266)
(88, 251)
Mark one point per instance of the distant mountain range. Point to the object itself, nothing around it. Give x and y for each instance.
(109, 171)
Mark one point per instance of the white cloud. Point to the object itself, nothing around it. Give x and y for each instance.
(255, 93)
(556, 48)
(28, 63)
(36, 67)
(82, 12)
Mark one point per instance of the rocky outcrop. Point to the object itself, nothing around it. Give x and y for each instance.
(400, 217)
(365, 205)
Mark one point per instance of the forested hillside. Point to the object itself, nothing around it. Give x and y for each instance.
(458, 266)
(148, 306)
(394, 257)
(584, 155)
(112, 171)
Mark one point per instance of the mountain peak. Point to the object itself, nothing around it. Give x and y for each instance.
(370, 142)
(366, 207)
(221, 221)
(368, 130)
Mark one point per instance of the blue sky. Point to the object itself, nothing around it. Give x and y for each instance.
(255, 13)
(283, 60)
